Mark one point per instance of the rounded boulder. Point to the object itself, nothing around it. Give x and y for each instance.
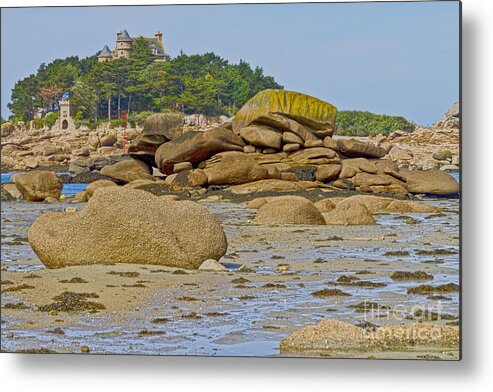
(121, 225)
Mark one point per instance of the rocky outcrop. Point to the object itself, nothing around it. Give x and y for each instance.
(158, 129)
(378, 204)
(151, 231)
(127, 171)
(357, 148)
(432, 182)
(262, 136)
(38, 185)
(269, 105)
(451, 119)
(273, 186)
(333, 338)
(195, 147)
(289, 210)
(233, 167)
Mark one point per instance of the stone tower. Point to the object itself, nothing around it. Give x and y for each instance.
(66, 120)
(105, 55)
(123, 44)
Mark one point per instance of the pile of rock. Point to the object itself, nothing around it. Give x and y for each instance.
(30, 149)
(277, 135)
(451, 119)
(426, 148)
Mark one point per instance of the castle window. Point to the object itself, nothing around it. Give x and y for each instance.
(121, 53)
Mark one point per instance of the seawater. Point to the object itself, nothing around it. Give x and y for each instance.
(67, 190)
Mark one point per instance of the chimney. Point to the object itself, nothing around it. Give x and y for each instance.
(159, 36)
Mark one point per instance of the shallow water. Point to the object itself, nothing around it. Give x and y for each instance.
(254, 326)
(67, 190)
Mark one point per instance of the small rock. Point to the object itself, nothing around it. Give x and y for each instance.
(182, 166)
(212, 265)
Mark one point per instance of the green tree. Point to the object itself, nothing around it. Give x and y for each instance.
(24, 98)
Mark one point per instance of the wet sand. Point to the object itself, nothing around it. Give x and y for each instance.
(157, 310)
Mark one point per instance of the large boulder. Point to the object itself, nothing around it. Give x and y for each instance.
(234, 167)
(290, 210)
(158, 129)
(349, 212)
(269, 105)
(38, 185)
(122, 225)
(326, 173)
(357, 148)
(127, 171)
(338, 338)
(433, 182)
(262, 136)
(195, 147)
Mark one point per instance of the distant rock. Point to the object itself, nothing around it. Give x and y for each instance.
(158, 129)
(292, 210)
(433, 182)
(357, 148)
(127, 171)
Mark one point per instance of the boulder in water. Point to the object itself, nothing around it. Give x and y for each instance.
(38, 185)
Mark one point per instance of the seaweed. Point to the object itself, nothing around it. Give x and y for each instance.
(406, 275)
(427, 289)
(127, 274)
(240, 280)
(397, 253)
(433, 252)
(330, 293)
(17, 306)
(185, 298)
(18, 288)
(73, 302)
(274, 286)
(160, 320)
(74, 280)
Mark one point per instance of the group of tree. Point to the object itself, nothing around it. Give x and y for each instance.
(203, 83)
(358, 123)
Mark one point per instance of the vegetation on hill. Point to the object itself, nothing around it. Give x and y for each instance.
(356, 123)
(192, 84)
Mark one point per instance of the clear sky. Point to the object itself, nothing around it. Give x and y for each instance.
(393, 58)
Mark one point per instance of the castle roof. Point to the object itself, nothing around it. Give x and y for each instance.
(106, 52)
(123, 36)
(155, 44)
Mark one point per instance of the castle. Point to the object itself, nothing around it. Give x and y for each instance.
(124, 45)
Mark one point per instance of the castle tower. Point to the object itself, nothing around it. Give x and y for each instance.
(105, 55)
(66, 112)
(123, 45)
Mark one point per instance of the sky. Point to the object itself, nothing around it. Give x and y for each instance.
(393, 58)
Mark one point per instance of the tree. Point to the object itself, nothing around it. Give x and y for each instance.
(24, 98)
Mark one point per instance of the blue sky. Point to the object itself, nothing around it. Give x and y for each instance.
(393, 58)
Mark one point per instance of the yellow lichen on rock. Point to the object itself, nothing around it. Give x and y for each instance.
(305, 109)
